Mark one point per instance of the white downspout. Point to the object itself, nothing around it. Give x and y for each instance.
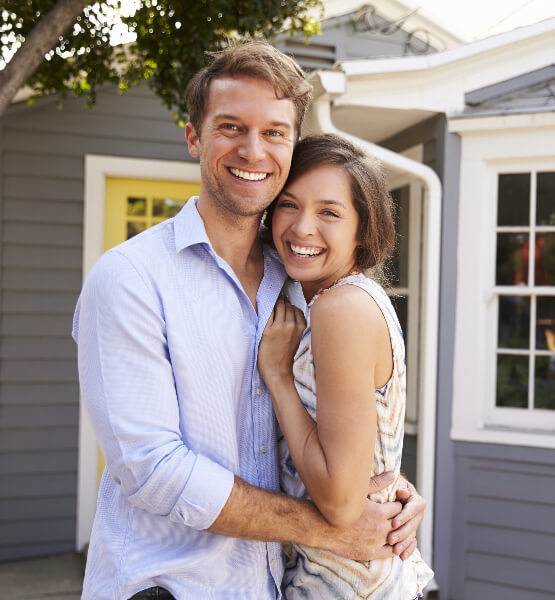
(334, 84)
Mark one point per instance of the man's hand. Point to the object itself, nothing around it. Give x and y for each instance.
(405, 524)
(367, 538)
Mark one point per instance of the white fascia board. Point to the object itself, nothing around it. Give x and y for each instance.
(438, 59)
(462, 125)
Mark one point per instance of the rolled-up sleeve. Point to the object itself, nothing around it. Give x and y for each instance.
(129, 392)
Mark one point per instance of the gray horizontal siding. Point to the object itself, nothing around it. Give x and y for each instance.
(505, 522)
(41, 232)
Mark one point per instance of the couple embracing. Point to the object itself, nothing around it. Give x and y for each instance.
(196, 334)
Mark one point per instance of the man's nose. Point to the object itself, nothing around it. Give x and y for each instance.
(252, 147)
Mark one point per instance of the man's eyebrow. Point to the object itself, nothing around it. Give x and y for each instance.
(229, 117)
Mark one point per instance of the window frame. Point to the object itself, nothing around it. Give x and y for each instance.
(491, 146)
(532, 418)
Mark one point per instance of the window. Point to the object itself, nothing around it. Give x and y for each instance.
(524, 280)
(504, 354)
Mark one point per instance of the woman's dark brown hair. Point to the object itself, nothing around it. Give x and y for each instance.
(371, 199)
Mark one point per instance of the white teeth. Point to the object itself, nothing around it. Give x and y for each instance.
(304, 251)
(249, 176)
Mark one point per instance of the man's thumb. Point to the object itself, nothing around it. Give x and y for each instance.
(380, 482)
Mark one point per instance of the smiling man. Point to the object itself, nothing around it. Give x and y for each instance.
(168, 325)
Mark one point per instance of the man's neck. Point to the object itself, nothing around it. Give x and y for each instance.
(235, 239)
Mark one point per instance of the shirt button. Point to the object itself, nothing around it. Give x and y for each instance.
(273, 562)
(258, 392)
(263, 449)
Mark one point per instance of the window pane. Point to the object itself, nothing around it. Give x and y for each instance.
(512, 381)
(134, 229)
(136, 206)
(545, 323)
(514, 322)
(400, 259)
(166, 207)
(400, 306)
(545, 199)
(512, 259)
(513, 199)
(545, 259)
(544, 384)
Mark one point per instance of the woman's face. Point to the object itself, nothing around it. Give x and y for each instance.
(315, 227)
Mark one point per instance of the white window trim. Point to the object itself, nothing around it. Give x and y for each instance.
(500, 145)
(97, 169)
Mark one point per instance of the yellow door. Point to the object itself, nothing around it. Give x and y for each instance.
(133, 205)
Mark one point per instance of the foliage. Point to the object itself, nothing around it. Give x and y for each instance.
(172, 39)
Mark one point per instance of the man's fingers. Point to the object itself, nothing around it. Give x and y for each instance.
(405, 550)
(412, 511)
(403, 533)
(384, 552)
(391, 510)
(380, 482)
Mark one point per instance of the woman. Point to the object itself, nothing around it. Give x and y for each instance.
(340, 404)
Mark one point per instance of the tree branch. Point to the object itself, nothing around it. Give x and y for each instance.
(42, 38)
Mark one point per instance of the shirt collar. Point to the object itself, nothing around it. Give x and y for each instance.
(189, 226)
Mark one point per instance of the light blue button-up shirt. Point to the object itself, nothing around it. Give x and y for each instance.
(167, 343)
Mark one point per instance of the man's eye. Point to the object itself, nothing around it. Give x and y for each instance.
(275, 133)
(229, 126)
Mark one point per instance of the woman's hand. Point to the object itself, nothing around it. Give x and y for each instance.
(280, 341)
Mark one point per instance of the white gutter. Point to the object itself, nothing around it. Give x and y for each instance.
(333, 83)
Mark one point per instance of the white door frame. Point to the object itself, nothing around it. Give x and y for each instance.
(97, 169)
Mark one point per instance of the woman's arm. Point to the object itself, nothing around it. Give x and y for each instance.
(352, 352)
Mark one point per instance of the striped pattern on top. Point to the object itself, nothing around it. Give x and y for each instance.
(318, 574)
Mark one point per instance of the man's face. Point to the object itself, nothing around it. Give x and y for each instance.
(244, 145)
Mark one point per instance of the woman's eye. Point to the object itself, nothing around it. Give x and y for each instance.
(330, 213)
(286, 204)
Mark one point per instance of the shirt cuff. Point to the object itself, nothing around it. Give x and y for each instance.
(204, 495)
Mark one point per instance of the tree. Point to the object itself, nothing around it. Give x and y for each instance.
(63, 46)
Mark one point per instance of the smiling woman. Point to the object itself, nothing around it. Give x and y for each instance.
(340, 396)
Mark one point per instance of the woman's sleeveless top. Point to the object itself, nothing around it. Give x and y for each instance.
(311, 573)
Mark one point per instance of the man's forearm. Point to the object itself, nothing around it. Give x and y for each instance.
(257, 514)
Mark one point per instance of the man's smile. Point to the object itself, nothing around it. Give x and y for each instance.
(248, 175)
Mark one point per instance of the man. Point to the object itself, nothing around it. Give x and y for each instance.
(168, 326)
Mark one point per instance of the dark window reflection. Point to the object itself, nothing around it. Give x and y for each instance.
(136, 206)
(166, 207)
(544, 259)
(545, 199)
(544, 383)
(514, 322)
(512, 259)
(134, 229)
(545, 323)
(400, 259)
(400, 306)
(513, 199)
(512, 381)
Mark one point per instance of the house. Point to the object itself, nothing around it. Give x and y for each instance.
(467, 134)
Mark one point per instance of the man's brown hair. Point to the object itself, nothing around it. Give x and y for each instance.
(253, 59)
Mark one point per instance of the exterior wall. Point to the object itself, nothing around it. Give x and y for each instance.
(41, 201)
(504, 534)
